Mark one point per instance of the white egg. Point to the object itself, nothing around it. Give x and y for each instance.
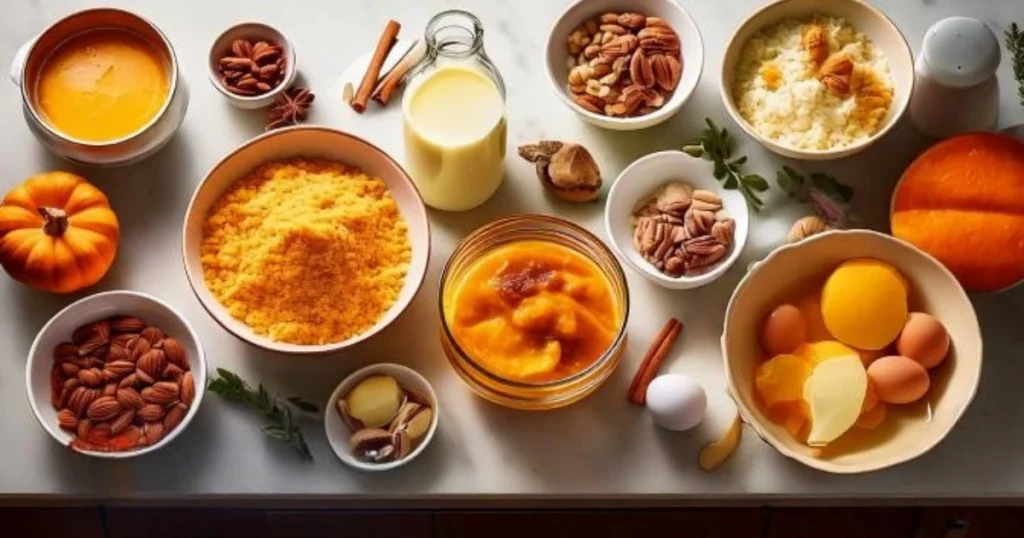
(676, 402)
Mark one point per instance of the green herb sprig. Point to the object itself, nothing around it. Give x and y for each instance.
(830, 197)
(282, 424)
(715, 145)
(1015, 44)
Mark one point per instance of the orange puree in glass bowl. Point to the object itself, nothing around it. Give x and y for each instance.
(102, 85)
(534, 311)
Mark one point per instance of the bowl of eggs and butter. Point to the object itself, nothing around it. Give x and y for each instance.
(851, 351)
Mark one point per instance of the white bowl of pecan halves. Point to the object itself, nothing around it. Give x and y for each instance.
(116, 375)
(250, 63)
(670, 220)
(624, 65)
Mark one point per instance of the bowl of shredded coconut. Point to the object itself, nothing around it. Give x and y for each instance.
(814, 84)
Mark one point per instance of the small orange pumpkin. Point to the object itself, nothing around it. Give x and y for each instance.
(57, 233)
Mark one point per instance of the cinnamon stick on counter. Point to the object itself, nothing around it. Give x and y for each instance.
(380, 54)
(392, 80)
(652, 361)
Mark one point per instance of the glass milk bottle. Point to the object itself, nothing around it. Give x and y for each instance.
(453, 116)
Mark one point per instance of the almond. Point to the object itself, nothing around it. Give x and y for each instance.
(91, 377)
(110, 389)
(122, 421)
(67, 419)
(591, 103)
(65, 392)
(175, 353)
(69, 369)
(127, 324)
(151, 412)
(126, 341)
(140, 348)
(129, 381)
(162, 392)
(143, 377)
(81, 398)
(65, 351)
(84, 426)
(188, 388)
(118, 353)
(118, 369)
(82, 334)
(152, 335)
(153, 432)
(104, 408)
(173, 373)
(174, 416)
(130, 398)
(153, 363)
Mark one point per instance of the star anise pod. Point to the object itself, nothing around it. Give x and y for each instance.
(290, 107)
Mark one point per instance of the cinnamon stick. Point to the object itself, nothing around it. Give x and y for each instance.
(380, 54)
(659, 349)
(396, 76)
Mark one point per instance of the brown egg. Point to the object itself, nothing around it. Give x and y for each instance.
(923, 339)
(783, 331)
(898, 379)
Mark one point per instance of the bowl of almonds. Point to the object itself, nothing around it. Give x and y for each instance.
(116, 375)
(251, 63)
(670, 220)
(624, 65)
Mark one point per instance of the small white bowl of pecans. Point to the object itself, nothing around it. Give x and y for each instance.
(251, 63)
(670, 220)
(116, 375)
(624, 65)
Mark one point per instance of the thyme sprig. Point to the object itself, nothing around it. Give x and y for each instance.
(830, 198)
(1015, 44)
(716, 146)
(282, 424)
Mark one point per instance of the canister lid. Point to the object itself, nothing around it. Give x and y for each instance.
(961, 52)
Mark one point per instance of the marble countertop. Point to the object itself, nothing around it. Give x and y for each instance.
(599, 449)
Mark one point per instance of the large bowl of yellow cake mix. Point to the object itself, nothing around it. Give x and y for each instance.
(101, 87)
(828, 278)
(306, 240)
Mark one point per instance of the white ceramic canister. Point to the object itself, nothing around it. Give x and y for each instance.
(956, 89)
(125, 150)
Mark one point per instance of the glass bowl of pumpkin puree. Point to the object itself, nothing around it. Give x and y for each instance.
(533, 312)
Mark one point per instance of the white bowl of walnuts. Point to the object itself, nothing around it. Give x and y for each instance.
(624, 65)
(116, 375)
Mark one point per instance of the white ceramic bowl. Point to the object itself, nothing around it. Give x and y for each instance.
(669, 10)
(641, 179)
(883, 33)
(305, 141)
(253, 31)
(934, 289)
(96, 307)
(338, 433)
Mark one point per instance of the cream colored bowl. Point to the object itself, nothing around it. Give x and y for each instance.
(305, 141)
(904, 436)
(882, 32)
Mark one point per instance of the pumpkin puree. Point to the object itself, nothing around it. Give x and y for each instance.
(534, 311)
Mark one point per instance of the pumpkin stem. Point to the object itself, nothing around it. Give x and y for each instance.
(56, 221)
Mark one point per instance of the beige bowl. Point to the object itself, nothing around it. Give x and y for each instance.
(303, 141)
(882, 32)
(905, 435)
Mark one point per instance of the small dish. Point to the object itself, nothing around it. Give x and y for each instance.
(641, 179)
(933, 289)
(253, 31)
(293, 142)
(95, 307)
(338, 433)
(668, 10)
(880, 29)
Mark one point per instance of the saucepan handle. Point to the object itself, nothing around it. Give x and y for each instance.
(18, 65)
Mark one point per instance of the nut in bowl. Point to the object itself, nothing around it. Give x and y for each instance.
(813, 82)
(116, 375)
(251, 63)
(381, 417)
(624, 66)
(307, 273)
(670, 220)
(911, 393)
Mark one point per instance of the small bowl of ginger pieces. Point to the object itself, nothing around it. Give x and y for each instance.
(624, 68)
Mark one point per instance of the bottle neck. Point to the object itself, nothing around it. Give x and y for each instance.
(454, 34)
